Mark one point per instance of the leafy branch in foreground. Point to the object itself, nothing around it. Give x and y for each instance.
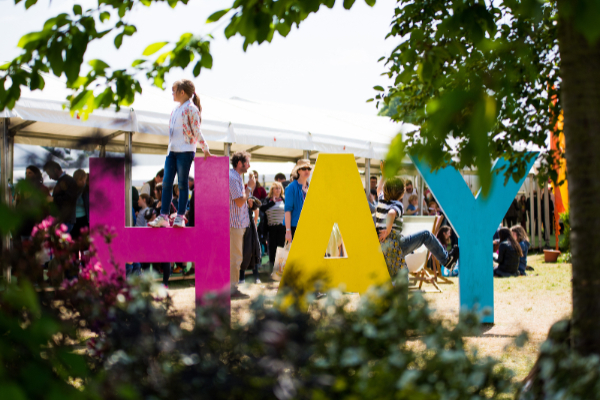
(477, 79)
(62, 43)
(60, 47)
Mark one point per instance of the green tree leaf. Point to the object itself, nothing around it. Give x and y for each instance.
(98, 65)
(138, 62)
(348, 4)
(214, 17)
(31, 37)
(118, 40)
(153, 48)
(206, 61)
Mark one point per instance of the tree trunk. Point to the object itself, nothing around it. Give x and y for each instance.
(580, 97)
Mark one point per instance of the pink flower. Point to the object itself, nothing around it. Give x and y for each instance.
(34, 231)
(63, 227)
(57, 232)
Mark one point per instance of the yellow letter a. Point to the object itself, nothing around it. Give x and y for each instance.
(335, 195)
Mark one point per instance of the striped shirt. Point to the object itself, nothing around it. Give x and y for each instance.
(383, 208)
(238, 216)
(276, 213)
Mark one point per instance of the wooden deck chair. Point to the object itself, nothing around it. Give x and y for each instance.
(436, 271)
(417, 260)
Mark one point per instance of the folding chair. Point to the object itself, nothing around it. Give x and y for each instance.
(416, 261)
(436, 269)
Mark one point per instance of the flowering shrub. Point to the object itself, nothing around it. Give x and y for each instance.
(390, 347)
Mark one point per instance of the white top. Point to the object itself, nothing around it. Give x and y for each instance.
(184, 129)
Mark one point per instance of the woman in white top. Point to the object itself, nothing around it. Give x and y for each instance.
(184, 135)
(274, 210)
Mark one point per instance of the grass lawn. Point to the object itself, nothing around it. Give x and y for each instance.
(530, 304)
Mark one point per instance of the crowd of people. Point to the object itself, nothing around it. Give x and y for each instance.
(511, 241)
(68, 201)
(282, 209)
(260, 222)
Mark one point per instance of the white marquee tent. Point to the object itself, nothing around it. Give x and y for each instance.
(270, 132)
(273, 132)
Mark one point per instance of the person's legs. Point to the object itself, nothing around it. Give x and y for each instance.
(136, 269)
(69, 227)
(255, 268)
(272, 243)
(166, 273)
(280, 236)
(79, 223)
(236, 254)
(412, 242)
(184, 163)
(168, 178)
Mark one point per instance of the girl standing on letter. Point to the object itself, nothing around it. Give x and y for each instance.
(184, 134)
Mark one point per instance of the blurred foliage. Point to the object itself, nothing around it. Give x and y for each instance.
(561, 373)
(60, 46)
(101, 337)
(476, 79)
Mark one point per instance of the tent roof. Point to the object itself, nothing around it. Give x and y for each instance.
(271, 132)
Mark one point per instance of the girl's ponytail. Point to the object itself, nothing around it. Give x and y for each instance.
(196, 101)
(190, 90)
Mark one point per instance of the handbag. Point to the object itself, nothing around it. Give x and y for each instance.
(281, 256)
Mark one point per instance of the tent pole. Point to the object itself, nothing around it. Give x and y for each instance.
(306, 154)
(539, 216)
(11, 159)
(4, 190)
(367, 176)
(128, 180)
(420, 194)
(531, 215)
(227, 150)
(102, 151)
(546, 215)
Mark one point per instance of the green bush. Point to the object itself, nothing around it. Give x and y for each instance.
(389, 347)
(565, 243)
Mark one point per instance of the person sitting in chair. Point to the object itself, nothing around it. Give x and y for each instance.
(389, 228)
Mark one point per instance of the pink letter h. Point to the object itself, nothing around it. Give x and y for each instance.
(206, 244)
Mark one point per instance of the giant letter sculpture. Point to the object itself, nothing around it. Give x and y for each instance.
(475, 219)
(206, 244)
(336, 195)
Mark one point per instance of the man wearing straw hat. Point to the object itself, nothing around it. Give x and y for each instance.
(295, 194)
